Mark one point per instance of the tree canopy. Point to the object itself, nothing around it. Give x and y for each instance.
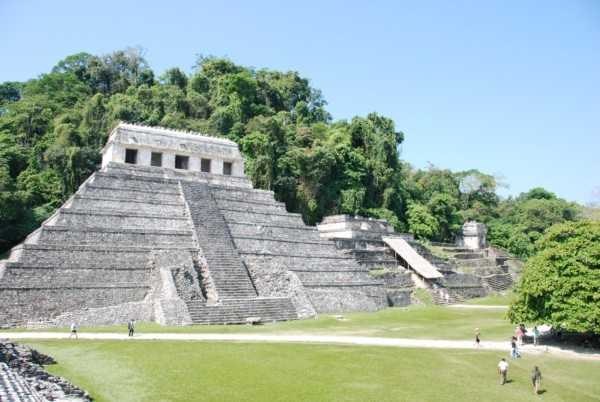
(53, 127)
(560, 285)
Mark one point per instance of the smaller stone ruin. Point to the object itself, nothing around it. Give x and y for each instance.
(362, 238)
(451, 274)
(23, 378)
(473, 236)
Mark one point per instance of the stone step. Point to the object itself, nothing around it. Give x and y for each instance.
(340, 286)
(261, 218)
(39, 285)
(373, 265)
(298, 261)
(236, 311)
(83, 203)
(88, 256)
(299, 233)
(259, 196)
(444, 300)
(469, 256)
(249, 193)
(114, 219)
(18, 275)
(134, 182)
(117, 192)
(341, 277)
(274, 246)
(479, 262)
(116, 236)
(249, 206)
(457, 250)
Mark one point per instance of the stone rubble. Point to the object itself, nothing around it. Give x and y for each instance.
(23, 378)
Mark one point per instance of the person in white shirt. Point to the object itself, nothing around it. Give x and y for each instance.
(503, 371)
(73, 330)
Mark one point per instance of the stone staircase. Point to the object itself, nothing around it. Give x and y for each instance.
(498, 282)
(227, 269)
(237, 311)
(447, 297)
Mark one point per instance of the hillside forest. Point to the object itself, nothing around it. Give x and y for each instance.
(53, 127)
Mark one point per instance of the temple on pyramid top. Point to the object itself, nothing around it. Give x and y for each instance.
(177, 153)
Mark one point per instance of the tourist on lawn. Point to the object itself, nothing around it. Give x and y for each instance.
(73, 330)
(536, 379)
(536, 334)
(477, 337)
(519, 334)
(503, 371)
(131, 327)
(514, 352)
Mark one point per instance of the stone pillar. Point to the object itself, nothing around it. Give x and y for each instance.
(474, 235)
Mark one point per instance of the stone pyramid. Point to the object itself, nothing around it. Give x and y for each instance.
(170, 230)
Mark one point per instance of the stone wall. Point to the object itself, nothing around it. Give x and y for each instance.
(340, 298)
(399, 297)
(24, 305)
(277, 281)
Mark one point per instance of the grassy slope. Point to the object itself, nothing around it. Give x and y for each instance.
(423, 322)
(188, 371)
(497, 299)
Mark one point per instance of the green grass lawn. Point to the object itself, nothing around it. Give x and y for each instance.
(421, 322)
(193, 371)
(497, 299)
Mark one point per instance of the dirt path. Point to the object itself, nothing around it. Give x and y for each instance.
(317, 339)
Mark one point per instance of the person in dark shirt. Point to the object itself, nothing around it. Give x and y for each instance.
(131, 327)
(536, 379)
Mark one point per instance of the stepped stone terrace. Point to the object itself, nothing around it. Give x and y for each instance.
(171, 230)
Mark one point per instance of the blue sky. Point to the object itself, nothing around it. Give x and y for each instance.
(509, 87)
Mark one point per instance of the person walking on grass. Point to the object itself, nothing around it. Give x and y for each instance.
(131, 327)
(514, 352)
(503, 371)
(519, 334)
(477, 338)
(73, 330)
(536, 379)
(536, 334)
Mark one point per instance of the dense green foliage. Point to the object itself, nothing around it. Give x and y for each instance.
(520, 222)
(560, 285)
(53, 127)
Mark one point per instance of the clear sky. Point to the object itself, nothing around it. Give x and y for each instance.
(508, 87)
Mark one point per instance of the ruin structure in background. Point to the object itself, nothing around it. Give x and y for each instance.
(170, 230)
(450, 272)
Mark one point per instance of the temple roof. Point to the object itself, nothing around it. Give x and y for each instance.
(166, 138)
